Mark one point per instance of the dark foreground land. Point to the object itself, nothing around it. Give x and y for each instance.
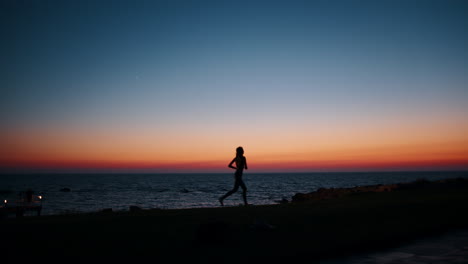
(307, 230)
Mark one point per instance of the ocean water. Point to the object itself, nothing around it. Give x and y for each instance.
(94, 192)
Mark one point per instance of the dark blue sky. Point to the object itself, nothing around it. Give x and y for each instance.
(63, 51)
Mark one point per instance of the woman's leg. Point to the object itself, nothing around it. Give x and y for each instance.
(244, 191)
(236, 187)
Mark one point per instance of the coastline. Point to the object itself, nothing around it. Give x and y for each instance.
(318, 229)
(94, 192)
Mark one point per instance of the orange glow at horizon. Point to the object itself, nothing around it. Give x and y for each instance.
(340, 147)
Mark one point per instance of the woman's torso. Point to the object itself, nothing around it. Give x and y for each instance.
(240, 163)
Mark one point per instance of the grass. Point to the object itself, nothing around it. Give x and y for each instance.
(351, 224)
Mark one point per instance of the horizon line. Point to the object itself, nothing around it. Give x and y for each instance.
(255, 172)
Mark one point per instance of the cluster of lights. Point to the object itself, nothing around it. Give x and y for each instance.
(5, 202)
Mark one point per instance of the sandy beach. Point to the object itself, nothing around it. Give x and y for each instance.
(354, 223)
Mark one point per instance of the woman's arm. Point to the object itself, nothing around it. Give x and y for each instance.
(230, 164)
(245, 162)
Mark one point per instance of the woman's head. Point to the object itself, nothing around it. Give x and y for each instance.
(240, 151)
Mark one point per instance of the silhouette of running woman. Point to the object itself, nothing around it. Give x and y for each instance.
(241, 163)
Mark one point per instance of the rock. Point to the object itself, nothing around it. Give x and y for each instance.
(386, 188)
(65, 190)
(330, 193)
(184, 191)
(134, 208)
(282, 201)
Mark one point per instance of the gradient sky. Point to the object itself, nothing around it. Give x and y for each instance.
(178, 85)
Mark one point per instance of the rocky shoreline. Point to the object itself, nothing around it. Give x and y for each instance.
(331, 193)
(383, 217)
